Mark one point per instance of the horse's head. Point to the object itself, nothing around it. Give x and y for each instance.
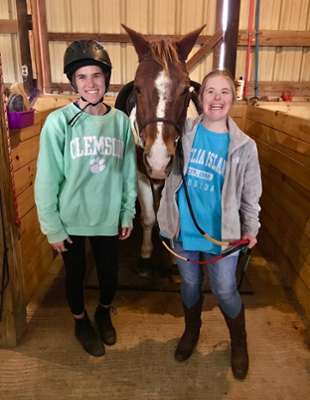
(162, 92)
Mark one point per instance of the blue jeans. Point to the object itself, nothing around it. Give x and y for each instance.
(222, 275)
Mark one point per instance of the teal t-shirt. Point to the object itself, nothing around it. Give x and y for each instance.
(204, 180)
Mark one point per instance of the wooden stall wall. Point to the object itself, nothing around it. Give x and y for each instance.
(284, 149)
(37, 253)
(238, 113)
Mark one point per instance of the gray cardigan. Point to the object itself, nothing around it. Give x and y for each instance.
(241, 190)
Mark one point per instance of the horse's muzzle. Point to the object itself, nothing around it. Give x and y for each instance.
(157, 173)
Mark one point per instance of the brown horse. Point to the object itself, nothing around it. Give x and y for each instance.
(158, 102)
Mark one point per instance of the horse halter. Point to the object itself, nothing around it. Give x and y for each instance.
(178, 125)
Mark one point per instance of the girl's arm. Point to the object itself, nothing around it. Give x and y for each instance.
(251, 192)
(49, 177)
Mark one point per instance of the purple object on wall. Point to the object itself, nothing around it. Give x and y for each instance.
(20, 119)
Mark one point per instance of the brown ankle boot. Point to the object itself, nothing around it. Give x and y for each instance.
(106, 329)
(239, 352)
(86, 334)
(190, 336)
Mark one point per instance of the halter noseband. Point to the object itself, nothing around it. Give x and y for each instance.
(155, 120)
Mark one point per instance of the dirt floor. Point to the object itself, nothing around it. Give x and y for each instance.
(51, 364)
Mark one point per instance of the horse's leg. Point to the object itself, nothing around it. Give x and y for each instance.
(145, 264)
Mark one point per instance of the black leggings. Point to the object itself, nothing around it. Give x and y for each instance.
(105, 250)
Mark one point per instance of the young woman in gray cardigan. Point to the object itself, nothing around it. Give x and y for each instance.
(222, 175)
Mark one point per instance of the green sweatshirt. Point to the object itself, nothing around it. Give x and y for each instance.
(86, 182)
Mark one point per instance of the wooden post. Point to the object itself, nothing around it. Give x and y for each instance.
(230, 36)
(13, 323)
(308, 333)
(36, 44)
(41, 43)
(24, 25)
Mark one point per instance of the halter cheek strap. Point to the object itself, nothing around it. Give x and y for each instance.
(74, 119)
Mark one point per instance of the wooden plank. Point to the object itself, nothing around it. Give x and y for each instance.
(294, 200)
(294, 170)
(292, 278)
(238, 109)
(293, 147)
(207, 46)
(66, 87)
(25, 152)
(271, 89)
(294, 126)
(276, 38)
(42, 266)
(267, 38)
(295, 244)
(25, 176)
(112, 37)
(8, 26)
(25, 201)
(275, 89)
(239, 122)
(13, 323)
(30, 233)
(20, 135)
(51, 102)
(35, 261)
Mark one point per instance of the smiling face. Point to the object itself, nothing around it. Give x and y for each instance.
(90, 83)
(217, 96)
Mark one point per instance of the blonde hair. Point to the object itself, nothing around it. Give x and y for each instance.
(218, 72)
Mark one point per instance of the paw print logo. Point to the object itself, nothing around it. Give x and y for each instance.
(97, 165)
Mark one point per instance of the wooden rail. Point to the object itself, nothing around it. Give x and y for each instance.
(283, 143)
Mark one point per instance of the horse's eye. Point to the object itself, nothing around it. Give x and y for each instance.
(137, 90)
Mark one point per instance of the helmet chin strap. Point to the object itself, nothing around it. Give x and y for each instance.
(77, 116)
(92, 104)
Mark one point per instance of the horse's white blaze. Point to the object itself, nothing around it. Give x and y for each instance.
(158, 157)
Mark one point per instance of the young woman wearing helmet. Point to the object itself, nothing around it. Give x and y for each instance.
(86, 186)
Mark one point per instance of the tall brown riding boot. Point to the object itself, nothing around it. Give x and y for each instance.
(190, 336)
(239, 352)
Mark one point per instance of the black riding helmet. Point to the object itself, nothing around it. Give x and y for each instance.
(87, 52)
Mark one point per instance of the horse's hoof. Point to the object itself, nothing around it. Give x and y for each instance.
(145, 267)
(174, 273)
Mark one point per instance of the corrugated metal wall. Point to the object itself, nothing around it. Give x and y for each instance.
(164, 17)
(278, 63)
(9, 45)
(149, 17)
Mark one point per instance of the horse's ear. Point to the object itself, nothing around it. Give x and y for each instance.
(186, 44)
(141, 45)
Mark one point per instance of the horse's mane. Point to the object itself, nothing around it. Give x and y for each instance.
(165, 52)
